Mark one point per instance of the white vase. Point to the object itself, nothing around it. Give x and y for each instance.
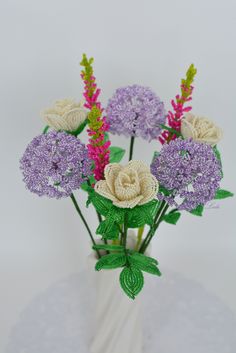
(117, 318)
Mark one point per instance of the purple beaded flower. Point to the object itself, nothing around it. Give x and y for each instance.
(190, 170)
(55, 164)
(135, 111)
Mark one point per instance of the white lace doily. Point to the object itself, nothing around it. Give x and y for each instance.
(180, 317)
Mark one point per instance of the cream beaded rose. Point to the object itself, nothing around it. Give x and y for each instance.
(200, 129)
(66, 115)
(128, 186)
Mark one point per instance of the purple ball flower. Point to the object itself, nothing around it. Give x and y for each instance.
(55, 164)
(190, 170)
(135, 111)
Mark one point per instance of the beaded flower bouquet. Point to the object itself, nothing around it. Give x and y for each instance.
(184, 174)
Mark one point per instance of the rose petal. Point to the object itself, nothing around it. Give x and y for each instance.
(65, 103)
(75, 118)
(139, 166)
(200, 129)
(110, 173)
(102, 189)
(127, 185)
(129, 203)
(56, 122)
(66, 114)
(149, 188)
(187, 129)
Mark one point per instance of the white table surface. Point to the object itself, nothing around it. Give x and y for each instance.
(179, 316)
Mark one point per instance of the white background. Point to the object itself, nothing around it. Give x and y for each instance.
(150, 43)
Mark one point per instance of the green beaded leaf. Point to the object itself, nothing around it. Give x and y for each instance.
(86, 186)
(45, 130)
(111, 261)
(116, 154)
(164, 191)
(116, 214)
(172, 217)
(150, 268)
(106, 136)
(218, 156)
(131, 281)
(142, 258)
(108, 247)
(144, 263)
(101, 204)
(108, 229)
(177, 133)
(89, 201)
(198, 210)
(104, 227)
(155, 155)
(222, 194)
(141, 215)
(136, 217)
(79, 129)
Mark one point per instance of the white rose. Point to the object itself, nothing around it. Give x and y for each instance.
(128, 186)
(200, 129)
(66, 115)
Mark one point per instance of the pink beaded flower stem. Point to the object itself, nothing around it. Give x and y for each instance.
(174, 122)
(98, 146)
(178, 105)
